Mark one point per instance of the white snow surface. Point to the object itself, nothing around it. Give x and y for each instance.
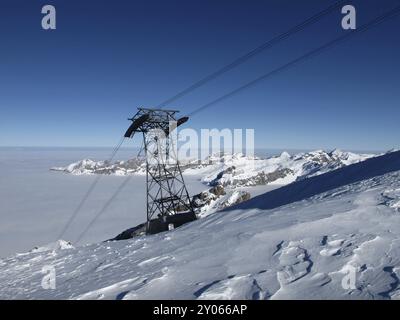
(53, 246)
(297, 246)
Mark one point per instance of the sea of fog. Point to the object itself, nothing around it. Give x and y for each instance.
(36, 203)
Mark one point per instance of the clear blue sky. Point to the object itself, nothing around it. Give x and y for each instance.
(76, 86)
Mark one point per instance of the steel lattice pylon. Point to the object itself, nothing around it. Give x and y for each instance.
(168, 201)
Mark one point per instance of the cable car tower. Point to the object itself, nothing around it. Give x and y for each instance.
(168, 201)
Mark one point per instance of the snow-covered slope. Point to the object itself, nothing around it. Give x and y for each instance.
(298, 246)
(53, 247)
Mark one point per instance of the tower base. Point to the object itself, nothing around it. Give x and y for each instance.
(169, 222)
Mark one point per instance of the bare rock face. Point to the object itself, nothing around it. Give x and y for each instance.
(217, 198)
(203, 199)
(235, 198)
(264, 178)
(218, 190)
(260, 178)
(182, 207)
(206, 197)
(139, 230)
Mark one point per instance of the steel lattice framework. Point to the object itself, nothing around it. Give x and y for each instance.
(168, 201)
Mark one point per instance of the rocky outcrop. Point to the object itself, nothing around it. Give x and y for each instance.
(260, 178)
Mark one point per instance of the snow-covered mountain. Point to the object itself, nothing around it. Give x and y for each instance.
(238, 170)
(88, 166)
(235, 170)
(301, 241)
